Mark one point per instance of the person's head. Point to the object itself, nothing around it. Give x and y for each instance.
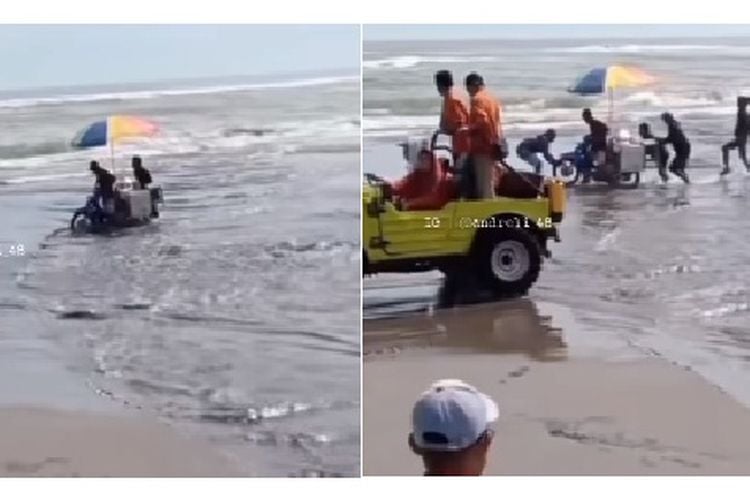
(550, 134)
(644, 130)
(443, 81)
(474, 83)
(452, 429)
(587, 116)
(136, 162)
(424, 160)
(94, 166)
(742, 104)
(667, 118)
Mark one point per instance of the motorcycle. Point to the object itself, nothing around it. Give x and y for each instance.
(132, 207)
(622, 169)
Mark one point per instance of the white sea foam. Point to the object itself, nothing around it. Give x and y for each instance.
(644, 48)
(152, 94)
(410, 61)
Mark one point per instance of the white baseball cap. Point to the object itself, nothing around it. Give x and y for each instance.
(451, 416)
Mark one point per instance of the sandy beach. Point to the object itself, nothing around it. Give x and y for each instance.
(566, 407)
(45, 442)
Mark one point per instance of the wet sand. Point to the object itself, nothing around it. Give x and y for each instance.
(567, 406)
(44, 442)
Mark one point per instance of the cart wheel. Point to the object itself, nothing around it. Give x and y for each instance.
(629, 181)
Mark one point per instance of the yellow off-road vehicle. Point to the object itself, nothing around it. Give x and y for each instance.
(499, 242)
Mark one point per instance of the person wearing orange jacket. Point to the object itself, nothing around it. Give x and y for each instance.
(486, 141)
(454, 121)
(426, 187)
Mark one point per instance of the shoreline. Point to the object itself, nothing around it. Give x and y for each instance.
(565, 408)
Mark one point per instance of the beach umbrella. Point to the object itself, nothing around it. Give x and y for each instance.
(607, 79)
(113, 130)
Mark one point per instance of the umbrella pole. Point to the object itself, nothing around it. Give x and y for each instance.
(111, 146)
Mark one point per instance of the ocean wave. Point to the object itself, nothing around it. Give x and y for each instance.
(330, 134)
(675, 100)
(25, 179)
(642, 48)
(404, 62)
(26, 150)
(152, 94)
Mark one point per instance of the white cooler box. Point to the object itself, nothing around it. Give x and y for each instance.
(632, 158)
(139, 201)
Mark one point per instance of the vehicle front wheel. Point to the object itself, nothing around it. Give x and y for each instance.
(508, 261)
(567, 172)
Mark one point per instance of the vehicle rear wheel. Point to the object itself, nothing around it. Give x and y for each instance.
(508, 261)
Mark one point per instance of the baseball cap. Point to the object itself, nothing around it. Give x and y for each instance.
(451, 416)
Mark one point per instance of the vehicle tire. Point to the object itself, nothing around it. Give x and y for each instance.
(74, 220)
(629, 181)
(572, 178)
(508, 261)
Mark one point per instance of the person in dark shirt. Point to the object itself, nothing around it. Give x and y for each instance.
(598, 132)
(680, 145)
(104, 188)
(141, 173)
(741, 131)
(530, 148)
(655, 149)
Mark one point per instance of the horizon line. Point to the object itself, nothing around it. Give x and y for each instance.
(554, 38)
(355, 72)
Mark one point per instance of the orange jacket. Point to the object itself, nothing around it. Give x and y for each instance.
(454, 121)
(426, 189)
(484, 123)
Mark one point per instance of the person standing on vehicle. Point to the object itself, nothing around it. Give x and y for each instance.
(141, 173)
(452, 429)
(741, 131)
(530, 148)
(598, 133)
(655, 148)
(486, 135)
(104, 188)
(680, 145)
(454, 121)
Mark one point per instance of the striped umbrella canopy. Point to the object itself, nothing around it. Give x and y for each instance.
(114, 129)
(607, 79)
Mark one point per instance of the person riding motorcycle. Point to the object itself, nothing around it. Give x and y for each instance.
(530, 148)
(680, 145)
(104, 191)
(655, 149)
(598, 141)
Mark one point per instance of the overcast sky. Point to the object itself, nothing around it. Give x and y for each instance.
(61, 55)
